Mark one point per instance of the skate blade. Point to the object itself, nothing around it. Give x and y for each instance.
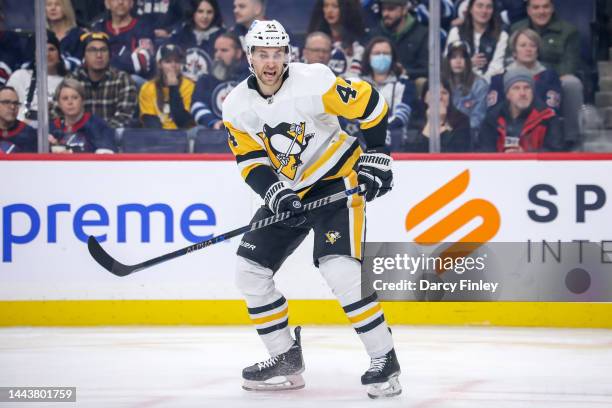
(279, 383)
(385, 389)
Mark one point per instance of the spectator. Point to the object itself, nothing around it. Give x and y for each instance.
(512, 11)
(343, 21)
(24, 82)
(469, 90)
(197, 36)
(522, 123)
(382, 69)
(77, 131)
(162, 15)
(165, 101)
(561, 52)
(447, 13)
(454, 126)
(483, 31)
(61, 21)
(409, 37)
(245, 12)
(130, 39)
(318, 49)
(229, 68)
(109, 93)
(15, 135)
(87, 11)
(11, 53)
(525, 45)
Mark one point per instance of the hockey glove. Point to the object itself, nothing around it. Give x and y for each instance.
(374, 170)
(280, 198)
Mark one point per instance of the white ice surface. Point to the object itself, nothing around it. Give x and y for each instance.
(150, 367)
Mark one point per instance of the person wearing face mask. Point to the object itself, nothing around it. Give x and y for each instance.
(382, 69)
(228, 69)
(197, 36)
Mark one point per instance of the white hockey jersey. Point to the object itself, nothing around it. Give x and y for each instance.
(294, 136)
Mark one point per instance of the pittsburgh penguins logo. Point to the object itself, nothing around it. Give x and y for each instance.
(332, 237)
(285, 143)
(197, 63)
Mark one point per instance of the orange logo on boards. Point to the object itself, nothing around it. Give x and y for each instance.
(470, 210)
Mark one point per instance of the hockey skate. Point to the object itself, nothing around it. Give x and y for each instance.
(282, 372)
(382, 376)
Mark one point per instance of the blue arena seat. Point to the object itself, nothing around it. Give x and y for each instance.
(154, 141)
(210, 141)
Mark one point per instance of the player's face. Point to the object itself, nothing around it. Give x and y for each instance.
(9, 106)
(120, 8)
(268, 64)
(526, 51)
(203, 16)
(245, 11)
(457, 62)
(54, 10)
(520, 95)
(226, 51)
(317, 50)
(331, 12)
(540, 12)
(70, 102)
(392, 15)
(97, 55)
(482, 11)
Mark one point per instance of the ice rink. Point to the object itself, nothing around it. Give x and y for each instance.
(145, 367)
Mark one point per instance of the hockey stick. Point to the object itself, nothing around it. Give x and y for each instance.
(117, 268)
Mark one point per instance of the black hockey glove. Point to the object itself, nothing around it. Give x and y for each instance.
(280, 198)
(374, 170)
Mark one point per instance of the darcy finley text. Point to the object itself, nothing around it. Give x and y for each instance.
(463, 284)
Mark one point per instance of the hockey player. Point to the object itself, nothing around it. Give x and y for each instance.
(282, 124)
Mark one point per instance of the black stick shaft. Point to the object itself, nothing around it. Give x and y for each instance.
(119, 269)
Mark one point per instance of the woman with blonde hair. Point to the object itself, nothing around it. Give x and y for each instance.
(525, 45)
(61, 20)
(77, 131)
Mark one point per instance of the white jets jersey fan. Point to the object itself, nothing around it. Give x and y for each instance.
(296, 132)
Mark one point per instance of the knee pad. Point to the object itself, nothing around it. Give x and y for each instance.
(343, 275)
(252, 279)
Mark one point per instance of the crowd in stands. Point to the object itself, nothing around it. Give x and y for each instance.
(512, 79)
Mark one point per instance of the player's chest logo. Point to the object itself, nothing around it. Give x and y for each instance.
(285, 144)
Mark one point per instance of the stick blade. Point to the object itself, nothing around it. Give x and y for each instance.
(105, 260)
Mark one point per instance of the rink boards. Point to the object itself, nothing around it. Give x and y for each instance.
(144, 206)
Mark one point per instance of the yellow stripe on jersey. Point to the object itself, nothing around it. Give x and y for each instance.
(348, 99)
(376, 120)
(357, 214)
(331, 150)
(347, 167)
(242, 143)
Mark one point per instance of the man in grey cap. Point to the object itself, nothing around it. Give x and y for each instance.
(522, 123)
(409, 37)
